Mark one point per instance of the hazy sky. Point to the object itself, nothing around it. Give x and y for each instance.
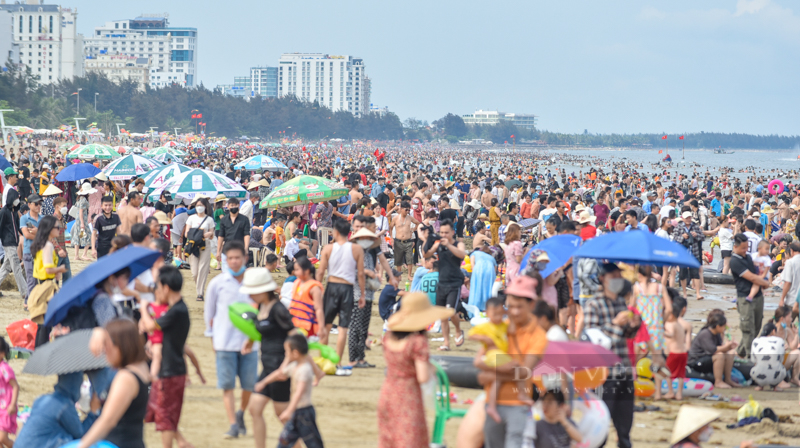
(605, 66)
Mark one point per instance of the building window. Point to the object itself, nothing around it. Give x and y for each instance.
(40, 24)
(51, 24)
(30, 24)
(20, 24)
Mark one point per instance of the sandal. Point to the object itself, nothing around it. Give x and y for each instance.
(444, 348)
(460, 339)
(363, 365)
(200, 298)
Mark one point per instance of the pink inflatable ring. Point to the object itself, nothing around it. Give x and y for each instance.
(775, 187)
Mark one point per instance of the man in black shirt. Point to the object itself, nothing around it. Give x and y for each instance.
(163, 204)
(445, 212)
(167, 391)
(24, 183)
(105, 228)
(751, 309)
(448, 292)
(233, 227)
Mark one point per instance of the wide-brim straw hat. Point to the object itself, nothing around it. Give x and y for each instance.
(363, 233)
(198, 197)
(416, 313)
(101, 176)
(263, 183)
(690, 419)
(253, 185)
(220, 197)
(586, 217)
(162, 218)
(52, 190)
(86, 188)
(256, 281)
(475, 204)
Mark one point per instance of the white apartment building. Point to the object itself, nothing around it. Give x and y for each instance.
(172, 51)
(492, 117)
(336, 82)
(121, 68)
(47, 39)
(9, 48)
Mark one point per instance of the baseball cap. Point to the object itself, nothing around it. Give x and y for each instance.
(10, 172)
(34, 198)
(686, 215)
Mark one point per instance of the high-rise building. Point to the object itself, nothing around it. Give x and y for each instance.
(263, 82)
(9, 48)
(47, 39)
(492, 117)
(172, 51)
(336, 82)
(121, 68)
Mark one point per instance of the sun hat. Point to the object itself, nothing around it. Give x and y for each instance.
(162, 218)
(585, 217)
(257, 280)
(483, 217)
(475, 204)
(686, 215)
(690, 419)
(198, 197)
(51, 190)
(101, 176)
(523, 286)
(86, 188)
(363, 233)
(767, 210)
(416, 313)
(220, 197)
(580, 208)
(263, 183)
(253, 185)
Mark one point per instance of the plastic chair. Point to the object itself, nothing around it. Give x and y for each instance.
(443, 410)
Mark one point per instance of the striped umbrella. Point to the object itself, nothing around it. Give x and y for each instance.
(93, 151)
(166, 157)
(65, 354)
(198, 181)
(129, 167)
(303, 190)
(261, 162)
(159, 176)
(167, 149)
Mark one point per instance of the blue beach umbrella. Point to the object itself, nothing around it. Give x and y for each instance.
(77, 171)
(81, 288)
(637, 247)
(559, 249)
(4, 163)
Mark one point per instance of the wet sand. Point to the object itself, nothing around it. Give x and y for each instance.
(346, 406)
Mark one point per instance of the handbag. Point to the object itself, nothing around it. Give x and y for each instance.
(74, 211)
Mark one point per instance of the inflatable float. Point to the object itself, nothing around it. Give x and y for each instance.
(243, 318)
(775, 187)
(691, 387)
(717, 278)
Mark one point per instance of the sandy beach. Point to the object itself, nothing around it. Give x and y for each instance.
(346, 406)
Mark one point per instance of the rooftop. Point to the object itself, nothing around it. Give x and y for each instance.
(29, 8)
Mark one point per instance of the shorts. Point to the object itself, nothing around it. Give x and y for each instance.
(338, 299)
(279, 391)
(403, 252)
(166, 402)
(703, 364)
(448, 296)
(102, 251)
(677, 364)
(726, 253)
(690, 274)
(301, 425)
(175, 238)
(233, 364)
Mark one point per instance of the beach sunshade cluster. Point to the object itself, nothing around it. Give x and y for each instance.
(303, 190)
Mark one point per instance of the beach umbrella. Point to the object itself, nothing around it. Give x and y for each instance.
(159, 176)
(302, 190)
(167, 149)
(574, 356)
(93, 151)
(637, 247)
(77, 171)
(513, 183)
(69, 147)
(129, 167)
(137, 151)
(558, 248)
(170, 144)
(4, 163)
(166, 157)
(81, 288)
(197, 181)
(261, 162)
(65, 354)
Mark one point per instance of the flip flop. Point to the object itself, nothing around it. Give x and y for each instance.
(363, 365)
(444, 348)
(460, 338)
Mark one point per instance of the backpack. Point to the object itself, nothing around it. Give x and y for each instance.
(195, 241)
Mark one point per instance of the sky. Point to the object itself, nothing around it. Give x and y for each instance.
(606, 67)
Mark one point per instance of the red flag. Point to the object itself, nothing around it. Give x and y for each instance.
(194, 116)
(199, 115)
(304, 149)
(512, 136)
(680, 138)
(376, 153)
(74, 93)
(664, 137)
(660, 151)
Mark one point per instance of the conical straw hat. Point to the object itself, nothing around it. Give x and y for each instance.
(690, 419)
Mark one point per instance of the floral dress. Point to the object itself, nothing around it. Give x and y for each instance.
(82, 238)
(401, 414)
(512, 250)
(8, 423)
(651, 307)
(47, 206)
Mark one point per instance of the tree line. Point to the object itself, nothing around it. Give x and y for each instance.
(49, 106)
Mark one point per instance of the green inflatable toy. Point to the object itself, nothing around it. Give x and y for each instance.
(325, 351)
(243, 317)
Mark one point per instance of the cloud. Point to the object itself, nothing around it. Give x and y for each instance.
(750, 6)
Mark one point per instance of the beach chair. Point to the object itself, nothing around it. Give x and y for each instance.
(443, 410)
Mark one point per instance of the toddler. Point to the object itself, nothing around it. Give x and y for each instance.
(9, 392)
(762, 262)
(555, 429)
(678, 334)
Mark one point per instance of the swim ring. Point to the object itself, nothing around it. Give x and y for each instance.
(775, 187)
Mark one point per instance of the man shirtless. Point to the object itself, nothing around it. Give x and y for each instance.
(403, 238)
(355, 195)
(486, 198)
(130, 214)
(417, 201)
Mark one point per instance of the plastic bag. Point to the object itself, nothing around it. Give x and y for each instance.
(22, 333)
(751, 409)
(325, 365)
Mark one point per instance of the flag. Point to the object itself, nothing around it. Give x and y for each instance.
(512, 136)
(194, 116)
(680, 138)
(377, 152)
(199, 115)
(304, 149)
(660, 151)
(74, 93)
(664, 137)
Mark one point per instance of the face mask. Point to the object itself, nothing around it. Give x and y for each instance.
(365, 244)
(705, 436)
(201, 209)
(239, 272)
(234, 210)
(63, 210)
(615, 285)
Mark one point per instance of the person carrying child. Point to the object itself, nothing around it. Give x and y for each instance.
(678, 334)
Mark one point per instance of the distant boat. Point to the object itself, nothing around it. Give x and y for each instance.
(722, 151)
(667, 158)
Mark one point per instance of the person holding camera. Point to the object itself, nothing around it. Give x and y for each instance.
(450, 254)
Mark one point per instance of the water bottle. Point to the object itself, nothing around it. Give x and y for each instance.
(408, 285)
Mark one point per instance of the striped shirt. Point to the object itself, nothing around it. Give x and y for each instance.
(599, 312)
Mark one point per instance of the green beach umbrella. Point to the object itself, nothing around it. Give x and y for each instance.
(161, 175)
(302, 190)
(165, 149)
(195, 182)
(94, 151)
(129, 167)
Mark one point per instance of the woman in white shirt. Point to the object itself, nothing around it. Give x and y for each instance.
(725, 243)
(201, 263)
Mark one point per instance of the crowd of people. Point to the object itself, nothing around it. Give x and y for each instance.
(455, 225)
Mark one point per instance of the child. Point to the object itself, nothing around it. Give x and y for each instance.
(678, 334)
(430, 281)
(494, 337)
(287, 290)
(299, 418)
(555, 429)
(272, 262)
(762, 262)
(9, 392)
(156, 339)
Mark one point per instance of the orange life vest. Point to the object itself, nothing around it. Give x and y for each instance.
(302, 307)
